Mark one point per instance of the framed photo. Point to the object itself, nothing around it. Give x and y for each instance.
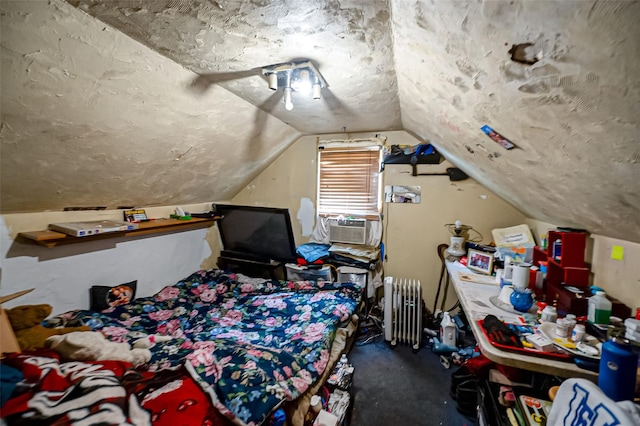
(138, 215)
(480, 261)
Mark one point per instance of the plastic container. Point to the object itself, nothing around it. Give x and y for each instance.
(577, 335)
(302, 273)
(448, 330)
(520, 277)
(557, 250)
(339, 371)
(549, 314)
(617, 374)
(562, 328)
(349, 274)
(599, 308)
(572, 322)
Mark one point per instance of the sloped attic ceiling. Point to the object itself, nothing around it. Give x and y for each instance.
(181, 114)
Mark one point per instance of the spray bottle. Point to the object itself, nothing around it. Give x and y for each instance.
(448, 330)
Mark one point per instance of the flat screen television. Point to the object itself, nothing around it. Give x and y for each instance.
(260, 234)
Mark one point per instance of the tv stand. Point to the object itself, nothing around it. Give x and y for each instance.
(253, 268)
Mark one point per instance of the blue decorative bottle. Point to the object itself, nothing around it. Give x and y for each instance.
(618, 365)
(522, 300)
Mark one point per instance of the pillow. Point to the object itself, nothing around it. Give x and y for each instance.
(104, 297)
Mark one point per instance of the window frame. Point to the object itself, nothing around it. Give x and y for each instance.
(365, 207)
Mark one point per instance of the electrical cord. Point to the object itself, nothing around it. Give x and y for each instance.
(444, 278)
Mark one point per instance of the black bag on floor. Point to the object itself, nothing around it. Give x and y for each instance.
(464, 383)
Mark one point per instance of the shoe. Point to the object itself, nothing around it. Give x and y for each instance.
(467, 398)
(462, 374)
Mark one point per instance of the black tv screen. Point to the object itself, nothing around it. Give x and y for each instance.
(256, 233)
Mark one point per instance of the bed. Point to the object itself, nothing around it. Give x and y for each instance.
(251, 345)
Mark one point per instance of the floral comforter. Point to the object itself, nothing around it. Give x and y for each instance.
(249, 344)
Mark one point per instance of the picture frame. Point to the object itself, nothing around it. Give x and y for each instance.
(480, 261)
(136, 215)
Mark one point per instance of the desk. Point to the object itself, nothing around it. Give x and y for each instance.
(474, 298)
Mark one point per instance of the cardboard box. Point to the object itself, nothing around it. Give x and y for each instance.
(8, 341)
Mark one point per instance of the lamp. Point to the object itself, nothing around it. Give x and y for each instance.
(273, 80)
(316, 90)
(460, 233)
(300, 76)
(288, 104)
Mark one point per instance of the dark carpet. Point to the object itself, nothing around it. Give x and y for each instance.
(395, 386)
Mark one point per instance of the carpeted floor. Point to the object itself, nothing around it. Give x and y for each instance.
(395, 386)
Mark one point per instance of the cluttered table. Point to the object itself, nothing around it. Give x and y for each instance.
(475, 293)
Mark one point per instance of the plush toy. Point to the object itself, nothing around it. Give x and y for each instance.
(93, 346)
(25, 322)
(150, 341)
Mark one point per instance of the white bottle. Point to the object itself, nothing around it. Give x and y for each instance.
(578, 333)
(338, 371)
(599, 308)
(448, 331)
(549, 314)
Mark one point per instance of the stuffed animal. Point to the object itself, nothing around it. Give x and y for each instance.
(25, 321)
(93, 346)
(150, 341)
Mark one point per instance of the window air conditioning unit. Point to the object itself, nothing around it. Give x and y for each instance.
(350, 231)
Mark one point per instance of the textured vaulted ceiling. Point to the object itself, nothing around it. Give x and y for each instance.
(162, 102)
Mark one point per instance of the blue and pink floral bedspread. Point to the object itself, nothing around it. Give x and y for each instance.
(250, 344)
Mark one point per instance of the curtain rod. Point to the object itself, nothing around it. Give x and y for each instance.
(379, 139)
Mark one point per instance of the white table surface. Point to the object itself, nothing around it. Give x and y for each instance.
(474, 298)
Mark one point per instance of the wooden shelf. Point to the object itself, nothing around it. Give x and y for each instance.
(51, 239)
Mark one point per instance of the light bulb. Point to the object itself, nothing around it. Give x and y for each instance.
(273, 81)
(287, 99)
(317, 91)
(301, 82)
(458, 224)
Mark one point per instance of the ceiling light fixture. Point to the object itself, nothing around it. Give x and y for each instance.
(316, 90)
(300, 76)
(273, 81)
(288, 104)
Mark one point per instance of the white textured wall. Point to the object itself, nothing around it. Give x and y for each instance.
(61, 276)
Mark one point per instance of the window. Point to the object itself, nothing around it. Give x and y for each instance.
(349, 181)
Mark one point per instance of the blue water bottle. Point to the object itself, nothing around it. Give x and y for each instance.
(618, 365)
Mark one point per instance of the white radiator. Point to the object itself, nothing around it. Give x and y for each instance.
(402, 311)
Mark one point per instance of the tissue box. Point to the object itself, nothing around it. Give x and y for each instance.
(540, 342)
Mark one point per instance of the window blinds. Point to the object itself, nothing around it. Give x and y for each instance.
(349, 181)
